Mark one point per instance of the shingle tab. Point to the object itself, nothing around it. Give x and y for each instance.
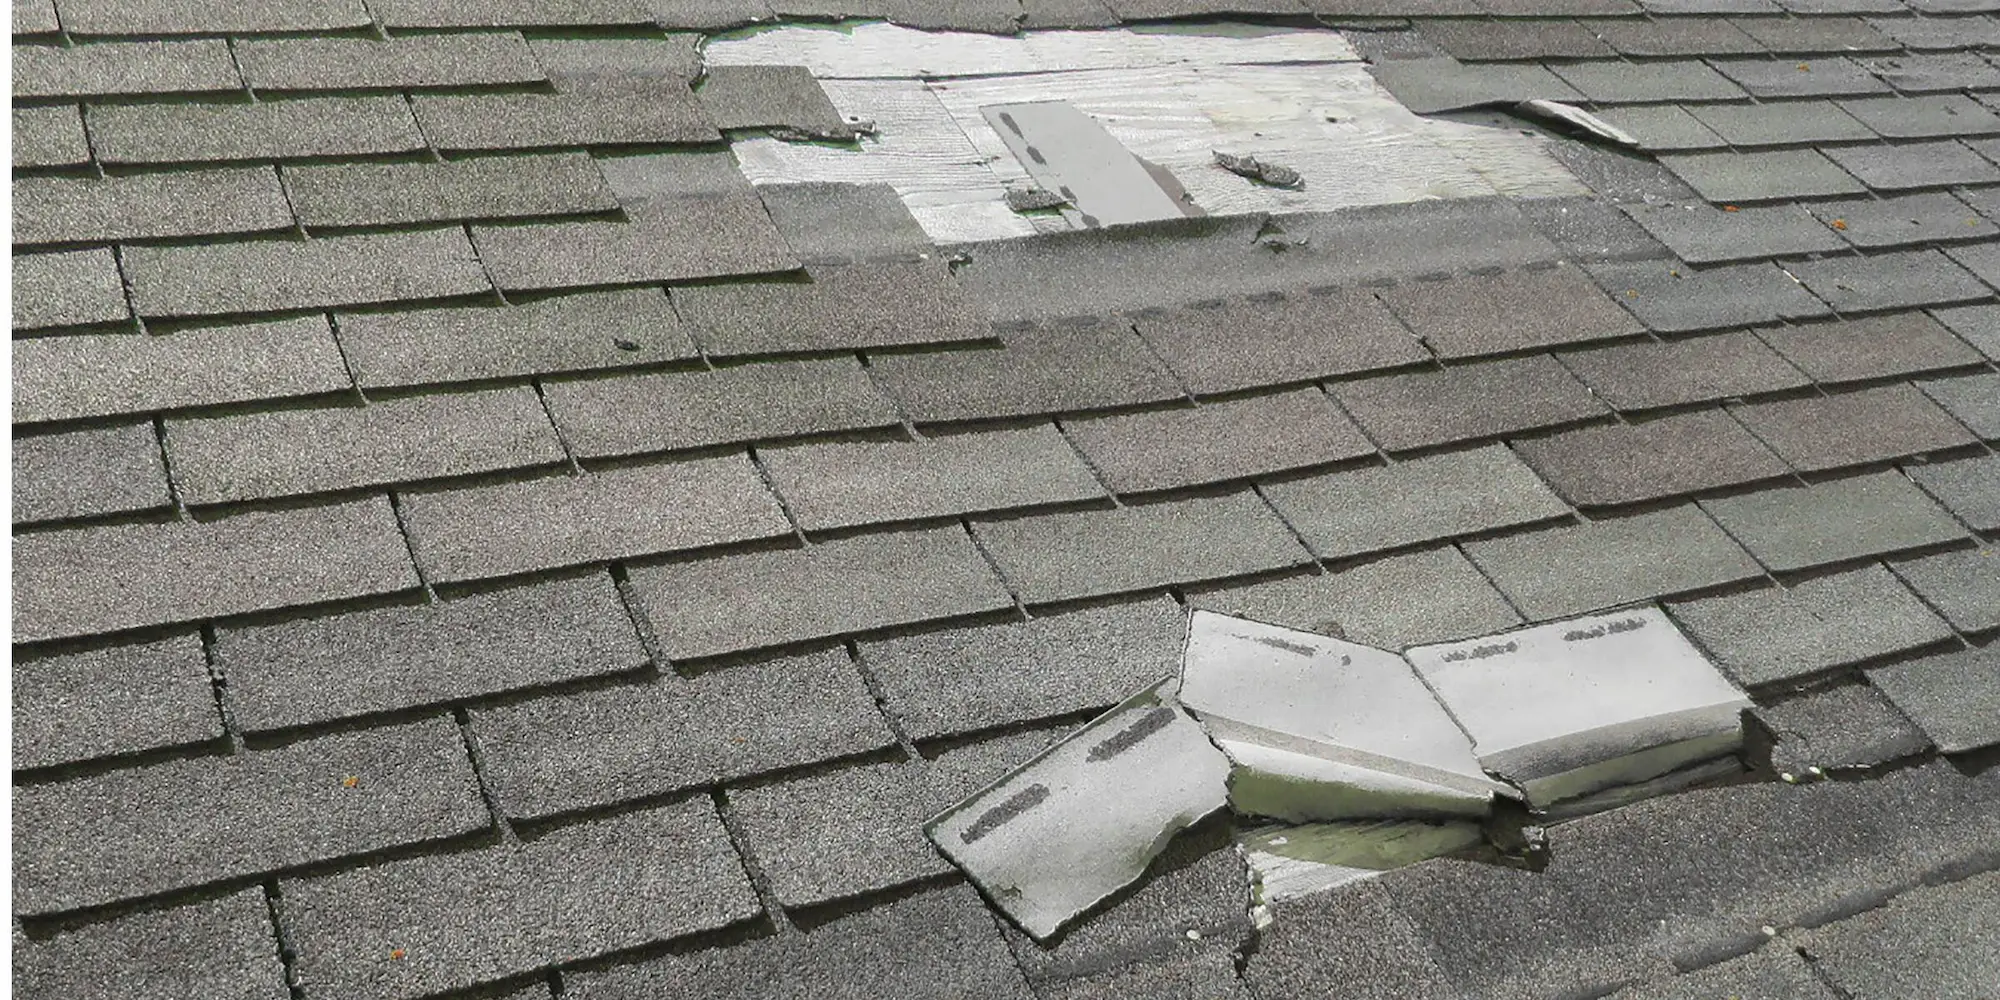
(1833, 76)
(1439, 496)
(1904, 220)
(85, 473)
(841, 485)
(1237, 439)
(1798, 36)
(1674, 299)
(1765, 636)
(1482, 40)
(569, 752)
(67, 289)
(1982, 259)
(1650, 460)
(783, 97)
(115, 700)
(63, 378)
(1973, 399)
(1889, 281)
(1798, 527)
(1591, 229)
(1934, 72)
(193, 17)
(1979, 325)
(475, 917)
(137, 833)
(1662, 127)
(587, 64)
(662, 412)
(653, 111)
(1467, 401)
(764, 599)
(839, 223)
(1781, 123)
(49, 137)
(841, 307)
(1247, 343)
(1600, 564)
(487, 187)
(1548, 306)
(1941, 32)
(146, 206)
(1953, 696)
(1431, 595)
(611, 514)
(404, 62)
(1035, 372)
(568, 333)
(270, 275)
(1651, 374)
(1847, 726)
(223, 949)
(1700, 234)
(1964, 585)
(1870, 347)
(106, 68)
(268, 130)
(1054, 557)
(511, 13)
(1763, 176)
(1675, 36)
(1924, 117)
(1638, 83)
(35, 17)
(72, 583)
(1915, 165)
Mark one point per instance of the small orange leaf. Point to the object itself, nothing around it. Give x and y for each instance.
(1731, 208)
(1803, 68)
(396, 953)
(1840, 224)
(350, 781)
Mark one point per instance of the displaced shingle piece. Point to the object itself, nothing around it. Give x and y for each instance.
(1237, 439)
(1934, 72)
(569, 752)
(667, 411)
(1467, 401)
(403, 62)
(1674, 299)
(786, 97)
(1905, 220)
(269, 275)
(462, 919)
(1798, 527)
(1054, 557)
(1599, 564)
(841, 485)
(1889, 281)
(763, 599)
(510, 13)
(67, 289)
(562, 334)
(85, 473)
(934, 946)
(1833, 76)
(1953, 697)
(633, 112)
(1034, 372)
(1870, 347)
(1700, 234)
(1924, 117)
(193, 17)
(1964, 585)
(1650, 460)
(140, 832)
(1439, 496)
(222, 949)
(841, 307)
(487, 187)
(49, 137)
(1456, 318)
(1514, 40)
(837, 223)
(1247, 343)
(610, 514)
(104, 68)
(94, 375)
(278, 453)
(121, 699)
(1788, 36)
(1978, 325)
(1675, 36)
(1630, 83)
(1766, 636)
(1973, 399)
(1847, 726)
(1428, 596)
(965, 679)
(90, 580)
(339, 666)
(268, 130)
(1650, 374)
(1735, 176)
(1781, 123)
(108, 209)
(1429, 86)
(1915, 165)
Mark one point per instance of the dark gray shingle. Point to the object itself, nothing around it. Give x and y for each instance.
(1237, 439)
(1647, 82)
(1675, 36)
(510, 13)
(1662, 127)
(786, 97)
(1798, 36)
(1798, 527)
(1781, 123)
(1939, 938)
(836, 223)
(1438, 496)
(1870, 347)
(145, 206)
(1935, 72)
(269, 130)
(1832, 76)
(1963, 584)
(1889, 281)
(1973, 399)
(1650, 460)
(1034, 372)
(63, 378)
(1432, 595)
(1495, 40)
(1572, 569)
(105, 68)
(660, 412)
(1953, 697)
(1480, 400)
(1246, 343)
(270, 275)
(222, 949)
(639, 112)
(403, 62)
(1818, 433)
(1924, 117)
(566, 333)
(840, 307)
(1700, 234)
(1904, 220)
(487, 187)
(1969, 488)
(1456, 318)
(840, 485)
(1847, 726)
(49, 137)
(1913, 165)
(1763, 176)
(1649, 374)
(1351, 939)
(113, 700)
(193, 17)
(1979, 325)
(84, 473)
(67, 289)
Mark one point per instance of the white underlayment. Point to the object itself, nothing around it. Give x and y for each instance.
(1171, 94)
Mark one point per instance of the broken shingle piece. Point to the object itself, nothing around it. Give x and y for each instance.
(1084, 818)
(1849, 726)
(785, 98)
(1576, 706)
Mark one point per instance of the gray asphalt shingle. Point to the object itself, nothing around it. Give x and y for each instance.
(568, 333)
(1963, 584)
(1668, 456)
(404, 62)
(1905, 220)
(107, 209)
(1912, 165)
(673, 410)
(1889, 281)
(107, 68)
(1815, 35)
(1833, 76)
(1675, 36)
(1548, 306)
(839, 485)
(838, 223)
(1662, 127)
(1217, 442)
(1943, 939)
(1818, 433)
(1732, 176)
(648, 112)
(114, 700)
(1973, 399)
(510, 13)
(1438, 496)
(1572, 569)
(1924, 117)
(1969, 488)
(1431, 595)
(1480, 400)
(1781, 123)
(1650, 374)
(839, 307)
(488, 187)
(1246, 343)
(1675, 299)
(1870, 347)
(1352, 939)
(1935, 72)
(269, 130)
(94, 375)
(188, 17)
(1033, 372)
(785, 97)
(67, 289)
(85, 473)
(1851, 725)
(1798, 527)
(1703, 235)
(271, 275)
(1647, 82)
(49, 137)
(1953, 697)
(222, 948)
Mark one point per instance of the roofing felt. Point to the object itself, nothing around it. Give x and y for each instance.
(448, 494)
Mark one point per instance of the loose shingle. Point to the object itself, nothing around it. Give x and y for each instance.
(1798, 527)
(105, 68)
(404, 62)
(562, 334)
(511, 13)
(1673, 299)
(1035, 372)
(146, 206)
(763, 599)
(840, 307)
(1904, 220)
(221, 949)
(115, 700)
(458, 920)
(1439, 496)
(269, 275)
(1889, 281)
(1238, 439)
(1833, 76)
(487, 187)
(193, 17)
(343, 665)
(1432, 85)
(1964, 585)
(1467, 401)
(67, 289)
(965, 679)
(137, 833)
(1847, 726)
(1639, 83)
(1953, 697)
(85, 473)
(1973, 399)
(785, 97)
(1789, 36)
(1700, 234)
(663, 412)
(1675, 36)
(652, 111)
(269, 130)
(1765, 636)
(64, 378)
(569, 752)
(841, 485)
(1650, 460)
(1914, 165)
(1541, 307)
(49, 137)
(839, 223)
(708, 232)
(90, 580)
(1054, 557)
(1247, 343)
(1600, 564)
(1781, 123)
(1432, 595)
(1870, 347)
(1736, 176)
(555, 521)
(1651, 374)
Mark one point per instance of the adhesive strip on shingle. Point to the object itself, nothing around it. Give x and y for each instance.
(1290, 861)
(1321, 729)
(1084, 818)
(1576, 706)
(1068, 152)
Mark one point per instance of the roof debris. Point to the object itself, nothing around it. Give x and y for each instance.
(1259, 170)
